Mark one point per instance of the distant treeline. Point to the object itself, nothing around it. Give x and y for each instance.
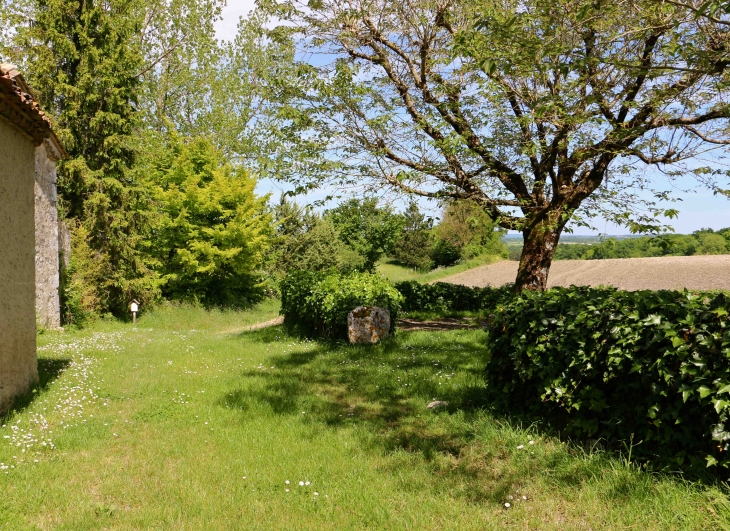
(704, 241)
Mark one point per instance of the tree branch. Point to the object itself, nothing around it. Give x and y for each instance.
(705, 138)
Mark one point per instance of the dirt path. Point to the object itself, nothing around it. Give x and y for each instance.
(442, 324)
(669, 272)
(271, 322)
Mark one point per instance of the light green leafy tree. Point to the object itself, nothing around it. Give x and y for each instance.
(213, 231)
(711, 243)
(368, 229)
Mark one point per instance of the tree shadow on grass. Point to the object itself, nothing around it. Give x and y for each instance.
(49, 369)
(382, 393)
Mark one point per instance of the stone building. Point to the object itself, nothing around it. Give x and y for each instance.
(28, 151)
(47, 237)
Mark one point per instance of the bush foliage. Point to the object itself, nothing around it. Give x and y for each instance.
(307, 242)
(317, 303)
(648, 370)
(465, 231)
(444, 297)
(701, 242)
(415, 245)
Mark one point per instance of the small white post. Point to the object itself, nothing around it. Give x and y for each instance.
(134, 307)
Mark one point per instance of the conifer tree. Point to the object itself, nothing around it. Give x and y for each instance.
(212, 231)
(81, 59)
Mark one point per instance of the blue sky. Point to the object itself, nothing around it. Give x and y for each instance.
(697, 210)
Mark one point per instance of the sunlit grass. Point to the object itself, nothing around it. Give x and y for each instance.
(189, 317)
(162, 427)
(395, 272)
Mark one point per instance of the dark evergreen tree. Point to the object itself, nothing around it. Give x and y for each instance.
(82, 59)
(415, 245)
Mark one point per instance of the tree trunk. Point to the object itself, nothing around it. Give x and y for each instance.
(540, 242)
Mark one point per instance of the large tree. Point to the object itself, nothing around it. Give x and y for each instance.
(543, 112)
(83, 63)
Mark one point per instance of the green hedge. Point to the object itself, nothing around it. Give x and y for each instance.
(647, 369)
(317, 303)
(443, 297)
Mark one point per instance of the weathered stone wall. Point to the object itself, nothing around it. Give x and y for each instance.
(64, 244)
(18, 364)
(47, 307)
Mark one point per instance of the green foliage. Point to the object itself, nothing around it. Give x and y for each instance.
(446, 297)
(564, 251)
(415, 245)
(79, 295)
(370, 230)
(212, 231)
(82, 60)
(465, 231)
(710, 243)
(317, 303)
(445, 253)
(643, 370)
(308, 242)
(320, 249)
(701, 242)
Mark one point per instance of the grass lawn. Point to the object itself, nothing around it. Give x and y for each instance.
(188, 423)
(395, 272)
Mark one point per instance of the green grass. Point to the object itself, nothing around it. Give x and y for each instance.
(156, 428)
(395, 272)
(186, 317)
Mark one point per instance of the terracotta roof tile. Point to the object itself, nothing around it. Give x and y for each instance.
(20, 108)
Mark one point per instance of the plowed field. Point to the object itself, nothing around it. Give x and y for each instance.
(669, 272)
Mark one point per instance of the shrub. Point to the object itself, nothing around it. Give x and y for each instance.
(317, 303)
(649, 369)
(444, 297)
(317, 249)
(445, 254)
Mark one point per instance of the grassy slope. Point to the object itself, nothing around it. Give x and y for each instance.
(156, 428)
(395, 272)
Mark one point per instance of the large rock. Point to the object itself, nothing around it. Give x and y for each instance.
(366, 325)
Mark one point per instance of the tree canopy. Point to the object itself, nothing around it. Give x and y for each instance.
(367, 228)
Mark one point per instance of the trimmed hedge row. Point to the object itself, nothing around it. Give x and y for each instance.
(443, 297)
(650, 369)
(317, 303)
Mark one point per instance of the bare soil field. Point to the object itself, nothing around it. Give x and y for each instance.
(668, 272)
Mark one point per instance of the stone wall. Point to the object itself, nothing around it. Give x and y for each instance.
(48, 311)
(18, 364)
